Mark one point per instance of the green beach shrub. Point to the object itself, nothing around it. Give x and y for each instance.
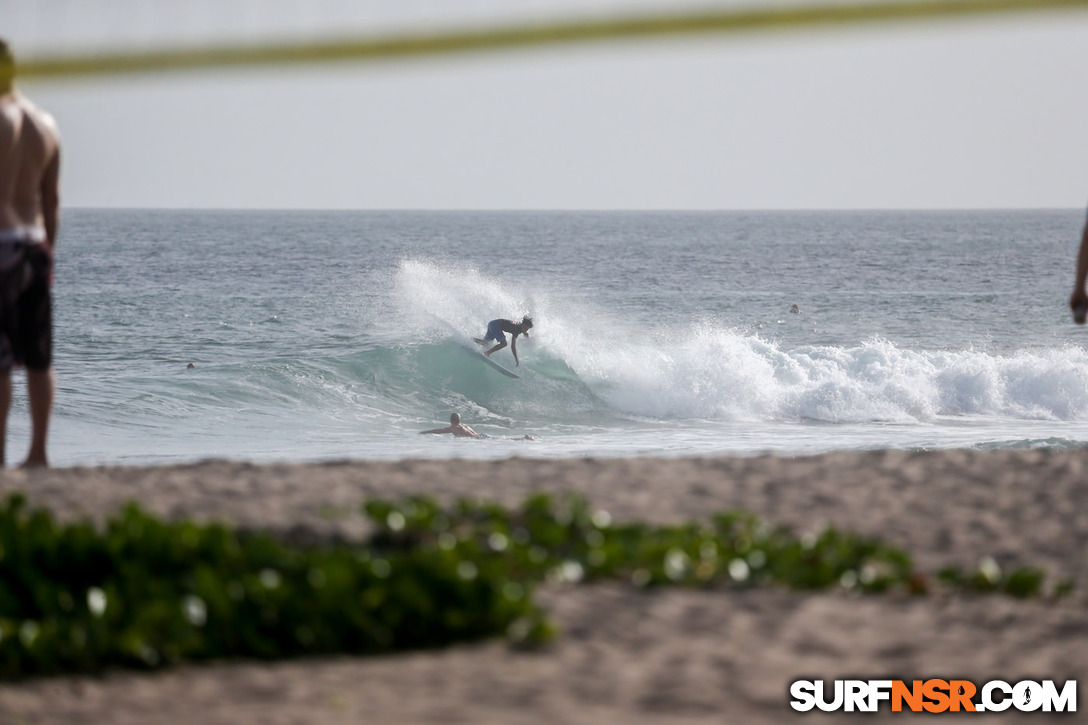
(144, 592)
(988, 577)
(565, 540)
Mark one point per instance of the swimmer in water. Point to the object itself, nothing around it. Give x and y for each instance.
(460, 430)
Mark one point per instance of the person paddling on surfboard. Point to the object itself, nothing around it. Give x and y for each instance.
(460, 430)
(495, 330)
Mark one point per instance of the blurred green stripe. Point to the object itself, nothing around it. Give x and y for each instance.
(721, 21)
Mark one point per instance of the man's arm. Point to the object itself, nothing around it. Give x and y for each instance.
(49, 192)
(514, 349)
(447, 429)
(1079, 299)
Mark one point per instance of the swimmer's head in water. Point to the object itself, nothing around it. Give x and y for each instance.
(455, 419)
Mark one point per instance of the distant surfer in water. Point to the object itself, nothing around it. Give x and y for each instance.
(495, 330)
(460, 430)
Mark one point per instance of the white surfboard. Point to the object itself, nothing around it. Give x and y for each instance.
(472, 348)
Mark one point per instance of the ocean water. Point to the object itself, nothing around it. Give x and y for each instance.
(330, 335)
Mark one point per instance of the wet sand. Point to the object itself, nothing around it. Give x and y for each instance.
(627, 655)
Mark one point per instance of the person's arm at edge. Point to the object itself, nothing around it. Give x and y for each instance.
(1080, 297)
(49, 191)
(514, 349)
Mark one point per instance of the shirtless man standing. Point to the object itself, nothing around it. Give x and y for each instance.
(29, 201)
(1079, 301)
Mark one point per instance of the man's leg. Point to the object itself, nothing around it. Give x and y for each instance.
(40, 385)
(5, 405)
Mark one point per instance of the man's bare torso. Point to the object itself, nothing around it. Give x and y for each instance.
(29, 156)
(463, 431)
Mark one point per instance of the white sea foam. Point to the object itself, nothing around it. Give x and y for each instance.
(463, 299)
(723, 374)
(708, 370)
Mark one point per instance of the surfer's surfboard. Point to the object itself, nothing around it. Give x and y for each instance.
(500, 368)
(471, 347)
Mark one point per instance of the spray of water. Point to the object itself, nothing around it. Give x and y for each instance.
(707, 370)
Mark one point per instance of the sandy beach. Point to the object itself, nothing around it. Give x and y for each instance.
(627, 655)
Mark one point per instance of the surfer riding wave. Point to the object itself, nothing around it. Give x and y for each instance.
(495, 330)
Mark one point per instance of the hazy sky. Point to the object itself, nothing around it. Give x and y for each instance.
(965, 114)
